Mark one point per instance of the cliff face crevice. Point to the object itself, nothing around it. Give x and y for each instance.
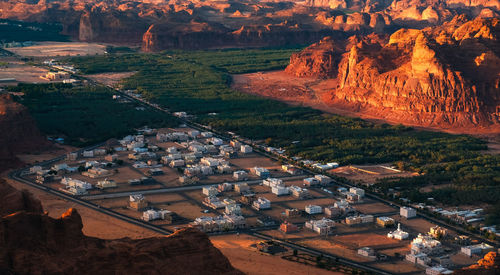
(31, 242)
(418, 76)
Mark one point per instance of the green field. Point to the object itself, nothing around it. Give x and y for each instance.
(198, 83)
(85, 115)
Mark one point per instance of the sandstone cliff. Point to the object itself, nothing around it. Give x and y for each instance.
(488, 265)
(23, 135)
(33, 243)
(156, 24)
(447, 76)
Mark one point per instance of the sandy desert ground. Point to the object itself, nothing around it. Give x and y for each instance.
(315, 93)
(110, 78)
(250, 261)
(53, 49)
(22, 72)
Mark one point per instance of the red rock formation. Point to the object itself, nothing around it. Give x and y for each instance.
(34, 243)
(318, 60)
(488, 265)
(420, 76)
(23, 135)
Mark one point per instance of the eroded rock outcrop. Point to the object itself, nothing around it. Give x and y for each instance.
(318, 60)
(488, 265)
(420, 77)
(31, 242)
(23, 135)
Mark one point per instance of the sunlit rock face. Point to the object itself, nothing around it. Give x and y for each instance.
(442, 76)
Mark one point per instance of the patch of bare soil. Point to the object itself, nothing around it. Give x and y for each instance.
(53, 49)
(110, 78)
(316, 93)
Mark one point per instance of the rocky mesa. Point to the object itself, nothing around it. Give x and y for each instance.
(447, 76)
(31, 242)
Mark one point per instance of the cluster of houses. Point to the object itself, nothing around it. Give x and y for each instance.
(75, 187)
(323, 226)
(220, 223)
(162, 214)
(466, 216)
(352, 195)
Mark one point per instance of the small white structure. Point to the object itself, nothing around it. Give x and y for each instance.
(398, 234)
(313, 209)
(76, 183)
(311, 181)
(476, 249)
(358, 191)
(272, 182)
(103, 184)
(233, 209)
(367, 252)
(210, 191)
(322, 227)
(216, 141)
(407, 212)
(437, 270)
(280, 190)
(261, 204)
(245, 149)
(425, 244)
(88, 154)
(261, 172)
(240, 175)
(324, 180)
(176, 163)
(151, 215)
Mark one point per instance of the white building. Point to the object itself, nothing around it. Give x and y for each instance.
(151, 215)
(240, 175)
(358, 191)
(322, 227)
(311, 181)
(216, 141)
(407, 212)
(88, 154)
(313, 209)
(261, 172)
(261, 204)
(76, 190)
(280, 190)
(324, 180)
(233, 209)
(76, 183)
(272, 182)
(299, 192)
(245, 149)
(210, 191)
(398, 234)
(367, 252)
(437, 270)
(425, 244)
(477, 249)
(103, 184)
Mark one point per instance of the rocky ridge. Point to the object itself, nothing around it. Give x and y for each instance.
(23, 136)
(31, 242)
(417, 76)
(250, 23)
